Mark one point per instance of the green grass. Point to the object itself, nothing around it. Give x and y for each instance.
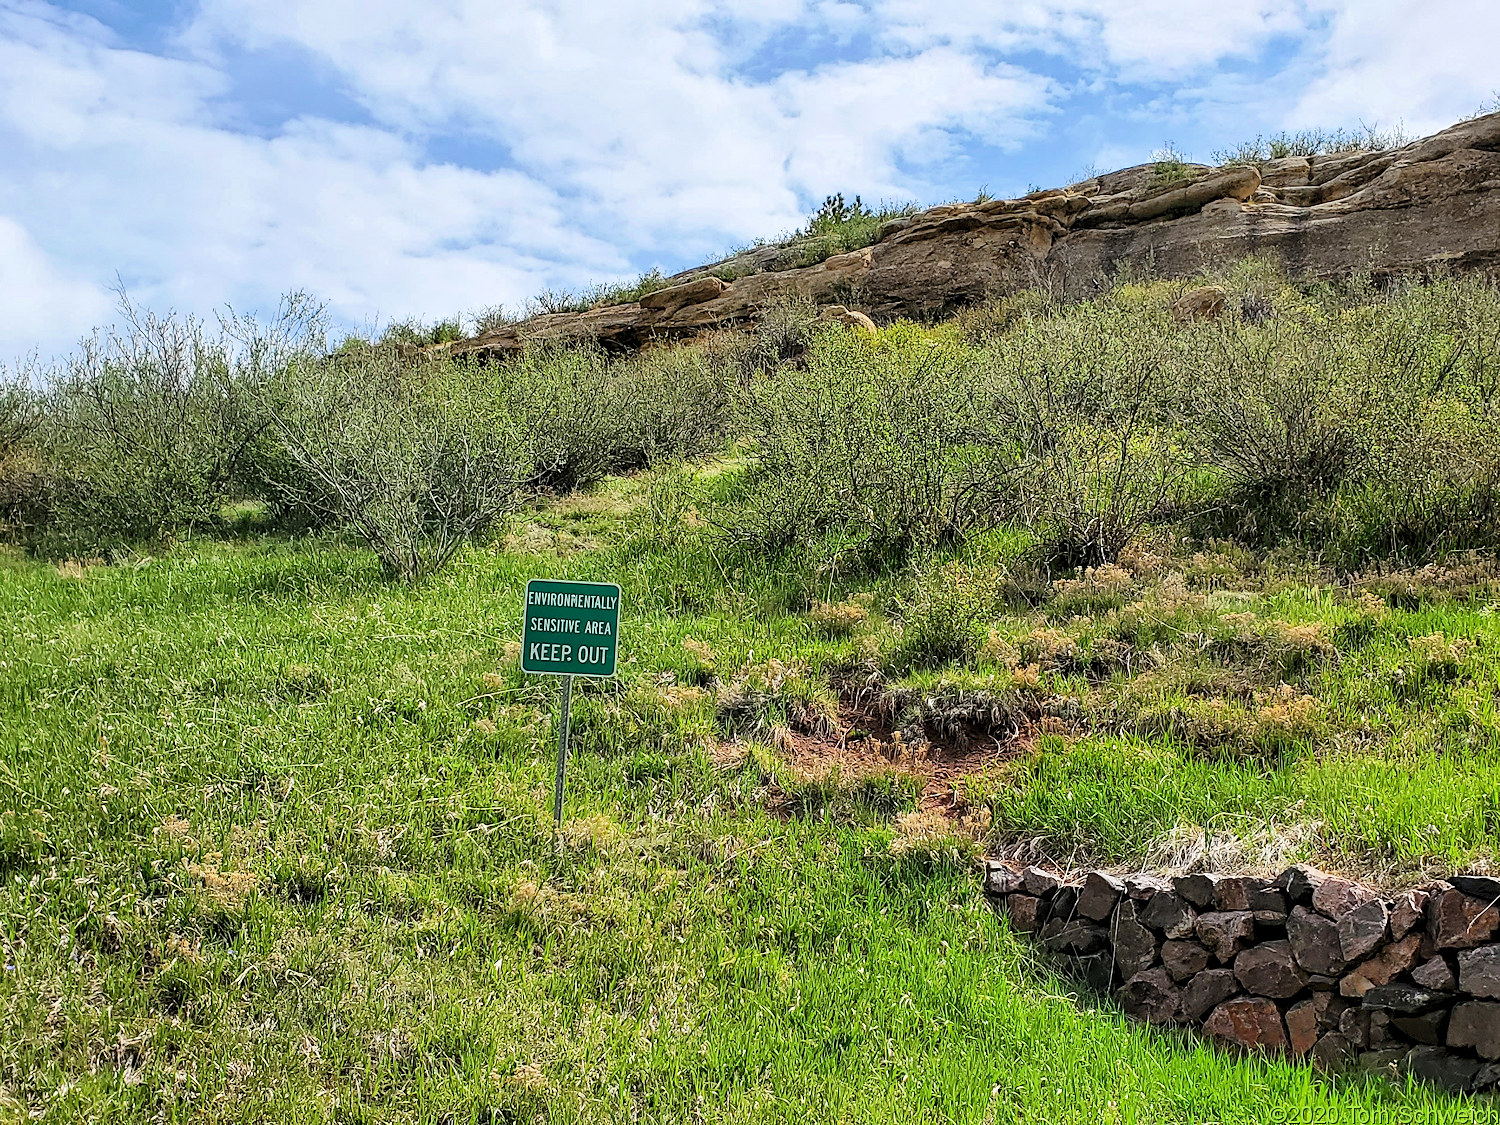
(275, 844)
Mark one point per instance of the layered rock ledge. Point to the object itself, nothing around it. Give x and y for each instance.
(1307, 965)
(1432, 204)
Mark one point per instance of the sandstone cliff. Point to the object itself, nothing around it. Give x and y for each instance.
(1433, 203)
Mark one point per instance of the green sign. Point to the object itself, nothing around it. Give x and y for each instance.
(571, 628)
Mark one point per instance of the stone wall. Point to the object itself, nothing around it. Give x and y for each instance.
(1308, 964)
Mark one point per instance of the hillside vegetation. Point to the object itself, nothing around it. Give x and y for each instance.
(1078, 582)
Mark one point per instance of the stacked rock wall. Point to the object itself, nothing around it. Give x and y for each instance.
(1308, 964)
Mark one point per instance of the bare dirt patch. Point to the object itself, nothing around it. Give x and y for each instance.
(864, 742)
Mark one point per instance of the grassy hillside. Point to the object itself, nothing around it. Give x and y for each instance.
(276, 843)
(1079, 583)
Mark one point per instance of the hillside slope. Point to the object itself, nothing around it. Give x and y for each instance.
(1433, 203)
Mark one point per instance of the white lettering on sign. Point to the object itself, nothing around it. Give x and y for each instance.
(600, 628)
(554, 625)
(572, 601)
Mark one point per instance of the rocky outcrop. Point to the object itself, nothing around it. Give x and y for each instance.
(1307, 965)
(1431, 204)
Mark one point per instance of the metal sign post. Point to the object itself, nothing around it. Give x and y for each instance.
(570, 629)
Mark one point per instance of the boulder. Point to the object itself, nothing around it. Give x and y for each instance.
(1362, 928)
(1098, 895)
(849, 318)
(1170, 915)
(1333, 1053)
(1299, 883)
(1315, 941)
(1437, 1067)
(999, 879)
(1207, 991)
(1134, 944)
(1479, 972)
(1039, 882)
(675, 297)
(1383, 968)
(1267, 900)
(1063, 935)
(1457, 921)
(1268, 969)
(1206, 302)
(1223, 932)
(1435, 974)
(1427, 1028)
(1335, 897)
(1476, 1025)
(1022, 911)
(1301, 1027)
(1145, 886)
(1405, 999)
(1249, 1023)
(1238, 892)
(1151, 996)
(1407, 912)
(1183, 959)
(1200, 890)
(1484, 887)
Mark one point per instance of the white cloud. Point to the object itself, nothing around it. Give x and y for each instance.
(39, 302)
(1421, 62)
(623, 129)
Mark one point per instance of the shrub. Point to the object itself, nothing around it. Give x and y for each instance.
(417, 455)
(883, 441)
(21, 482)
(151, 428)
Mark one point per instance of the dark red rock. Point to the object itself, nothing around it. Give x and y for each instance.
(1169, 914)
(1299, 883)
(1039, 882)
(1207, 991)
(1407, 912)
(1427, 1028)
(1098, 895)
(1064, 902)
(1233, 892)
(1456, 921)
(1383, 968)
(1097, 970)
(1134, 944)
(1076, 936)
(1315, 941)
(1405, 999)
(1249, 1023)
(1145, 886)
(1443, 1070)
(1151, 996)
(1269, 970)
(1022, 912)
(1200, 890)
(1484, 887)
(1334, 1007)
(999, 879)
(1268, 899)
(1335, 897)
(1223, 932)
(1479, 972)
(1333, 1053)
(1301, 1027)
(1183, 959)
(1362, 929)
(1476, 1025)
(1354, 1025)
(1435, 974)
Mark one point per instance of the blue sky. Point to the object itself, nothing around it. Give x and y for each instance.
(424, 160)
